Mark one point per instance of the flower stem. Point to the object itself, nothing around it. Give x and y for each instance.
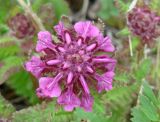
(34, 17)
(36, 20)
(130, 45)
(145, 51)
(158, 65)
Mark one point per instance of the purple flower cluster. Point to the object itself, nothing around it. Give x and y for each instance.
(67, 69)
(143, 23)
(21, 26)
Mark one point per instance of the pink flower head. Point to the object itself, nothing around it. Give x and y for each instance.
(72, 63)
(21, 26)
(142, 22)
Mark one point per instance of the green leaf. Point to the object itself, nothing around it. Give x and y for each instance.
(38, 113)
(60, 7)
(107, 6)
(123, 6)
(8, 51)
(119, 102)
(22, 83)
(44, 112)
(122, 77)
(8, 64)
(147, 107)
(135, 43)
(3, 29)
(89, 116)
(8, 47)
(124, 32)
(139, 116)
(6, 109)
(147, 91)
(142, 70)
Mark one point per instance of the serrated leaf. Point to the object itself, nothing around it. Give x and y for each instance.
(8, 51)
(44, 112)
(119, 102)
(22, 83)
(8, 64)
(143, 70)
(89, 116)
(6, 109)
(146, 110)
(147, 91)
(139, 116)
(122, 77)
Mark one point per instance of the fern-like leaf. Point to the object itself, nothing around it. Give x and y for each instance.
(147, 107)
(44, 112)
(23, 85)
(6, 109)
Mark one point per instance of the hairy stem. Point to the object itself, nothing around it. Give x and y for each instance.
(158, 65)
(36, 20)
(130, 45)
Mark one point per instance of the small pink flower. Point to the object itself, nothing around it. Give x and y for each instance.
(71, 63)
(21, 26)
(142, 22)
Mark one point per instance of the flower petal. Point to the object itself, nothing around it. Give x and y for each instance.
(44, 41)
(86, 29)
(84, 84)
(104, 81)
(69, 100)
(35, 66)
(49, 87)
(105, 44)
(103, 59)
(60, 30)
(87, 102)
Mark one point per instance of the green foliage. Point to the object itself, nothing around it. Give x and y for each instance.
(23, 86)
(4, 9)
(115, 102)
(155, 5)
(6, 109)
(119, 101)
(98, 113)
(135, 42)
(60, 7)
(42, 113)
(123, 6)
(8, 64)
(3, 29)
(122, 77)
(142, 70)
(147, 106)
(8, 47)
(89, 116)
(124, 32)
(107, 9)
